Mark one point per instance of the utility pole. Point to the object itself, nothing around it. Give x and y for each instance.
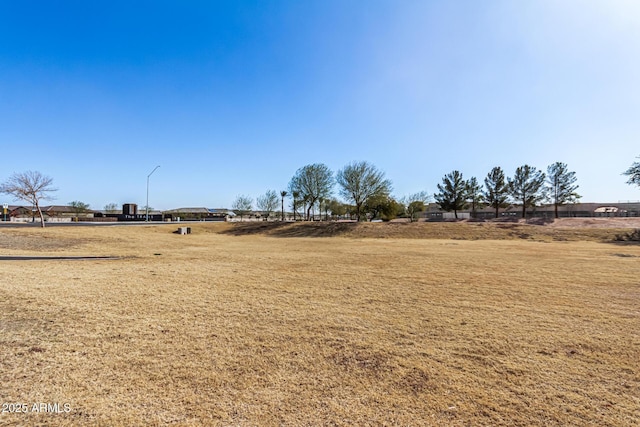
(148, 176)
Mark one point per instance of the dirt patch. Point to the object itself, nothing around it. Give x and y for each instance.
(18, 241)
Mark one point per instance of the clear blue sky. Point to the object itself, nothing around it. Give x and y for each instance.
(231, 97)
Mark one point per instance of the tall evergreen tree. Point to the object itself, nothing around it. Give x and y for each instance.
(496, 191)
(267, 203)
(634, 174)
(453, 193)
(526, 187)
(474, 195)
(561, 185)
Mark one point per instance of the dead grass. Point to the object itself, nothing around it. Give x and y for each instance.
(464, 230)
(16, 239)
(217, 329)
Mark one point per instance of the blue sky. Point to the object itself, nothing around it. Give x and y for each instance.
(232, 97)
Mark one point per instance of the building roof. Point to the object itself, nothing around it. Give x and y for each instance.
(188, 210)
(63, 209)
(200, 211)
(222, 211)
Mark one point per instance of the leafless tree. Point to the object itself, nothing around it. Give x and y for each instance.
(31, 187)
(111, 208)
(267, 203)
(242, 205)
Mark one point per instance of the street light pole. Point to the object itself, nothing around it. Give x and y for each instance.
(147, 207)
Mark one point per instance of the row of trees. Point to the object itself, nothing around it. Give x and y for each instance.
(384, 208)
(366, 186)
(368, 192)
(528, 187)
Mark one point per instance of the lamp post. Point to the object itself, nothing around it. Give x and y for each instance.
(5, 206)
(147, 207)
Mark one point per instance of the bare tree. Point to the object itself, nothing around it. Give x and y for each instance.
(111, 208)
(267, 203)
(242, 205)
(361, 181)
(31, 187)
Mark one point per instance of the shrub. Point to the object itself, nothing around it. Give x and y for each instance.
(632, 236)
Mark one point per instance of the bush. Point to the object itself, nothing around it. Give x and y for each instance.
(633, 236)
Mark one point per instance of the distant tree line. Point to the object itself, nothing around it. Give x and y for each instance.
(527, 188)
(364, 188)
(365, 193)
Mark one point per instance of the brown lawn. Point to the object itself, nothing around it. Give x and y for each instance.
(461, 324)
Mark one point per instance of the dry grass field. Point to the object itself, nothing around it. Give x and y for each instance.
(332, 324)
